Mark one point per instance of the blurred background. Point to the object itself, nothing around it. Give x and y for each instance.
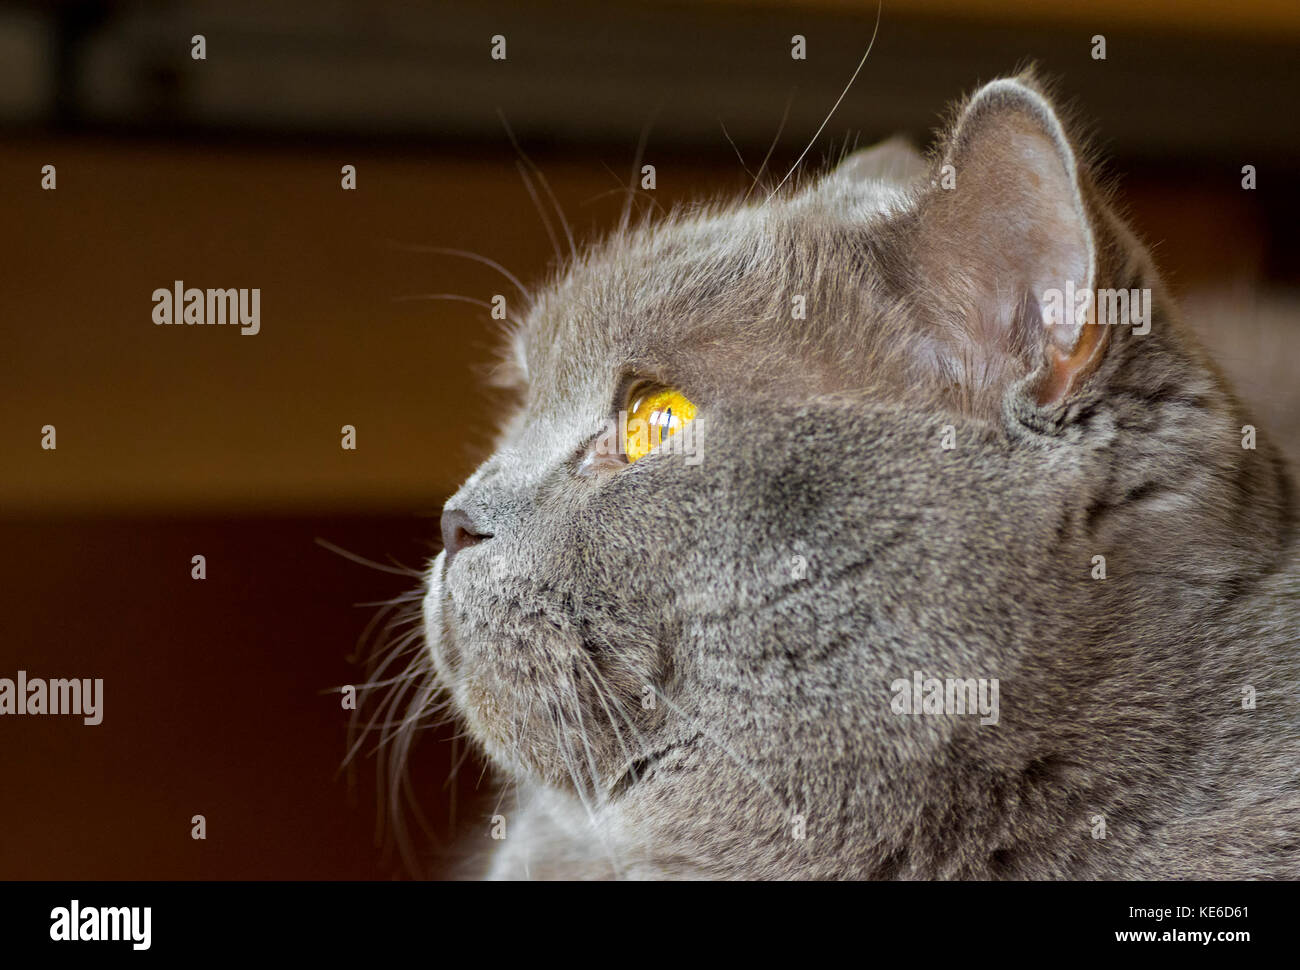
(226, 172)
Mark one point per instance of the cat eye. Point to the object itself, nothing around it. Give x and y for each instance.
(653, 415)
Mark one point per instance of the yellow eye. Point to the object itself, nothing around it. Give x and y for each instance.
(654, 414)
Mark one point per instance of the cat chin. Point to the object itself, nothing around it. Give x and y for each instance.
(473, 688)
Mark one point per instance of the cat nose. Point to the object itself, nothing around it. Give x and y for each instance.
(459, 532)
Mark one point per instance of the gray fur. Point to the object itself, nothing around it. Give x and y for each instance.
(1120, 698)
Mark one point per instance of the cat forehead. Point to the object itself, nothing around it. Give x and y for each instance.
(703, 274)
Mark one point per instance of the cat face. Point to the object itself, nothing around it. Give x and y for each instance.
(580, 607)
(899, 460)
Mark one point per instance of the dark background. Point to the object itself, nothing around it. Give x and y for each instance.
(225, 172)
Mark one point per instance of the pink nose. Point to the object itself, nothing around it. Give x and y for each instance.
(459, 532)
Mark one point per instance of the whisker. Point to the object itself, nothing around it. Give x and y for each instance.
(563, 733)
(879, 7)
(415, 297)
(397, 569)
(762, 783)
(726, 134)
(636, 168)
(537, 204)
(596, 680)
(467, 254)
(624, 190)
(785, 115)
(546, 187)
(443, 296)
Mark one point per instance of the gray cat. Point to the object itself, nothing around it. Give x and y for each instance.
(787, 471)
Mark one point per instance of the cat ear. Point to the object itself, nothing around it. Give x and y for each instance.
(1005, 236)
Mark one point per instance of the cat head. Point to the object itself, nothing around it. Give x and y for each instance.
(906, 427)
